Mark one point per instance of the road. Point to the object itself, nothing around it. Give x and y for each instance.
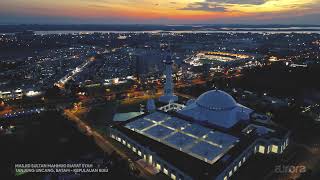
(104, 143)
(72, 74)
(142, 98)
(184, 95)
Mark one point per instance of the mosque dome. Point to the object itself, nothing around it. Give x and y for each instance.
(216, 100)
(216, 107)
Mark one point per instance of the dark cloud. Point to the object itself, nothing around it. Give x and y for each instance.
(252, 2)
(219, 5)
(204, 6)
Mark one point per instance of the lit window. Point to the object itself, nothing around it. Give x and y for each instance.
(124, 142)
(139, 153)
(165, 171)
(225, 178)
(158, 166)
(129, 146)
(150, 159)
(274, 148)
(261, 149)
(244, 159)
(239, 163)
(230, 173)
(173, 176)
(113, 136)
(235, 169)
(134, 149)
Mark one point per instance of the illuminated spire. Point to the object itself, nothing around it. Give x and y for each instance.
(168, 96)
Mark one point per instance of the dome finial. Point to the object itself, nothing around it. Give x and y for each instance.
(214, 87)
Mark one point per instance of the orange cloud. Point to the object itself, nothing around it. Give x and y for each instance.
(150, 10)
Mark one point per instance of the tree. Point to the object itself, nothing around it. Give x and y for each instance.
(53, 92)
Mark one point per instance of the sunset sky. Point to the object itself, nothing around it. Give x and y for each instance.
(160, 11)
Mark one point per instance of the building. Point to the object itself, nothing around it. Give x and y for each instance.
(208, 138)
(218, 58)
(19, 94)
(11, 95)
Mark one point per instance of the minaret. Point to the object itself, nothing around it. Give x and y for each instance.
(168, 96)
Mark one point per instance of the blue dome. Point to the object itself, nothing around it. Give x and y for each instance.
(216, 100)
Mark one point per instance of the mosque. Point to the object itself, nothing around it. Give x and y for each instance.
(210, 137)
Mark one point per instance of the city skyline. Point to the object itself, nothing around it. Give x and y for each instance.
(153, 102)
(160, 12)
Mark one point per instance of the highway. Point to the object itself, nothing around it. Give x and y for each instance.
(74, 72)
(184, 95)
